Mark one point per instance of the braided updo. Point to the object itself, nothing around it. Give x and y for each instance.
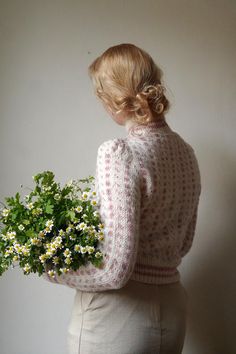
(126, 79)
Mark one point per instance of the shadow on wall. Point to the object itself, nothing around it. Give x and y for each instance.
(212, 288)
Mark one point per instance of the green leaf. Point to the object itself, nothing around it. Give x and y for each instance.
(49, 208)
(30, 233)
(10, 201)
(71, 214)
(17, 197)
(37, 189)
(14, 215)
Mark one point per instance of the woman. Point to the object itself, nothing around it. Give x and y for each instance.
(148, 186)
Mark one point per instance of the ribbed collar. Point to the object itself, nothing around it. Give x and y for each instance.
(136, 129)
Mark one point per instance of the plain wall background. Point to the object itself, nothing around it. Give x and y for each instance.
(50, 119)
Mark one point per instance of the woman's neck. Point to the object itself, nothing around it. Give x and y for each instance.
(129, 123)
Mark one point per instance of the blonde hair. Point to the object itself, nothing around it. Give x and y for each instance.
(127, 79)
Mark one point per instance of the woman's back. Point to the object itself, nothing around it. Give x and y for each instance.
(170, 189)
(149, 186)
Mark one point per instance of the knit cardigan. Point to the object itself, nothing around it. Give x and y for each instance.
(148, 187)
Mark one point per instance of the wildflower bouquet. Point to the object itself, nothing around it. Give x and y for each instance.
(56, 230)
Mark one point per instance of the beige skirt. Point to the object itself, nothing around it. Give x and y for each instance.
(139, 318)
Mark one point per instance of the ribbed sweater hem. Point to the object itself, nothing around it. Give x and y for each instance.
(147, 272)
(145, 277)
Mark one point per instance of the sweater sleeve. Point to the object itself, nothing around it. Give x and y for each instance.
(118, 188)
(188, 240)
(191, 227)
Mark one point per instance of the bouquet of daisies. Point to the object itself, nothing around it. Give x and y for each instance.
(55, 230)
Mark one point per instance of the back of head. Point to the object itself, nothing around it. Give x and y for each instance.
(127, 79)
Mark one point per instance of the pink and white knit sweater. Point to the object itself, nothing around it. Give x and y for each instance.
(148, 186)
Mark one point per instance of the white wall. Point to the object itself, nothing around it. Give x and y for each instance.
(50, 119)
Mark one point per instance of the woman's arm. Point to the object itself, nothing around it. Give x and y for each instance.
(191, 228)
(190, 232)
(118, 188)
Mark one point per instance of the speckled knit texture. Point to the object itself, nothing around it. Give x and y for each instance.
(148, 187)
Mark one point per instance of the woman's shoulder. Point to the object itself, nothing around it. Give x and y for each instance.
(116, 147)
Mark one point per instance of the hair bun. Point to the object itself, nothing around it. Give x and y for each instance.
(152, 91)
(151, 98)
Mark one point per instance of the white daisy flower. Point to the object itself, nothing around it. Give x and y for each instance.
(11, 235)
(55, 260)
(93, 193)
(47, 245)
(52, 273)
(78, 209)
(4, 237)
(85, 195)
(54, 246)
(98, 254)
(21, 227)
(72, 237)
(5, 212)
(58, 239)
(64, 270)
(100, 235)
(59, 245)
(47, 188)
(68, 229)
(68, 260)
(39, 243)
(91, 227)
(92, 232)
(81, 226)
(38, 211)
(42, 258)
(25, 250)
(77, 248)
(67, 252)
(30, 206)
(49, 223)
(17, 247)
(90, 249)
(34, 241)
(49, 253)
(27, 267)
(7, 253)
(41, 234)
